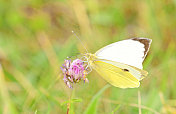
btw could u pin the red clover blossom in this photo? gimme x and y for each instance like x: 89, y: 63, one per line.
x: 74, y: 72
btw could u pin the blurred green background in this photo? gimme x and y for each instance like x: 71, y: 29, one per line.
x: 36, y: 37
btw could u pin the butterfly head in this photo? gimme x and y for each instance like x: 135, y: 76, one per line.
x: 90, y: 57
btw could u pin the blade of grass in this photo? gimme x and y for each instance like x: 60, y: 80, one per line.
x: 117, y: 107
x: 43, y: 93
x: 80, y: 12
x: 26, y: 84
x: 132, y: 105
x: 91, y: 109
x: 9, y: 107
x: 35, y: 112
x: 139, y: 102
x: 47, y: 47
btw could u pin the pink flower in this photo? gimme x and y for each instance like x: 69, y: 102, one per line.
x: 74, y: 72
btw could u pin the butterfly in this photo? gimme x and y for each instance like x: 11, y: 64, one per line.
x: 120, y: 63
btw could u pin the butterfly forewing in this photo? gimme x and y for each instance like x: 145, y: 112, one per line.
x: 131, y: 52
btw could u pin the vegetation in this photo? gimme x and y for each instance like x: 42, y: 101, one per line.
x: 36, y: 37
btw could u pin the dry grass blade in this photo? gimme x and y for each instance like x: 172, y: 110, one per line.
x: 48, y: 49
x: 8, y: 107
x: 80, y: 11
x: 139, y: 102
x: 132, y: 105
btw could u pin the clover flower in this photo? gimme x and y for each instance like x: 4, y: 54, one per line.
x: 74, y: 72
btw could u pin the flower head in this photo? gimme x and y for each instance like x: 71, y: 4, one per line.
x: 74, y: 72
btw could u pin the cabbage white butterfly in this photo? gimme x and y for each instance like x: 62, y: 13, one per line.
x: 120, y: 63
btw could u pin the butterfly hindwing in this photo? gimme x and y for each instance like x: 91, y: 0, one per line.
x: 117, y: 74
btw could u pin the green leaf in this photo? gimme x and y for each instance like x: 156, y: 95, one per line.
x: 76, y: 100
x: 91, y: 109
x: 71, y: 101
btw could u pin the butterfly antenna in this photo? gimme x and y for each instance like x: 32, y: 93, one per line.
x: 68, y: 57
x: 80, y: 41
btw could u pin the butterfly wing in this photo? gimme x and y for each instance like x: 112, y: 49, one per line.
x: 131, y: 52
x: 118, y: 74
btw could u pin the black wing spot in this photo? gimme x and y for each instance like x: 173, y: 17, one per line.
x: 126, y: 70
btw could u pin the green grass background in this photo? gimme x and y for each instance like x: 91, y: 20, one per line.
x: 36, y: 37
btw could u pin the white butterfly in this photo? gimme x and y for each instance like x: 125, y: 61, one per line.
x: 120, y: 63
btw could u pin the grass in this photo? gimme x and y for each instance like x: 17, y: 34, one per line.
x: 36, y: 37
